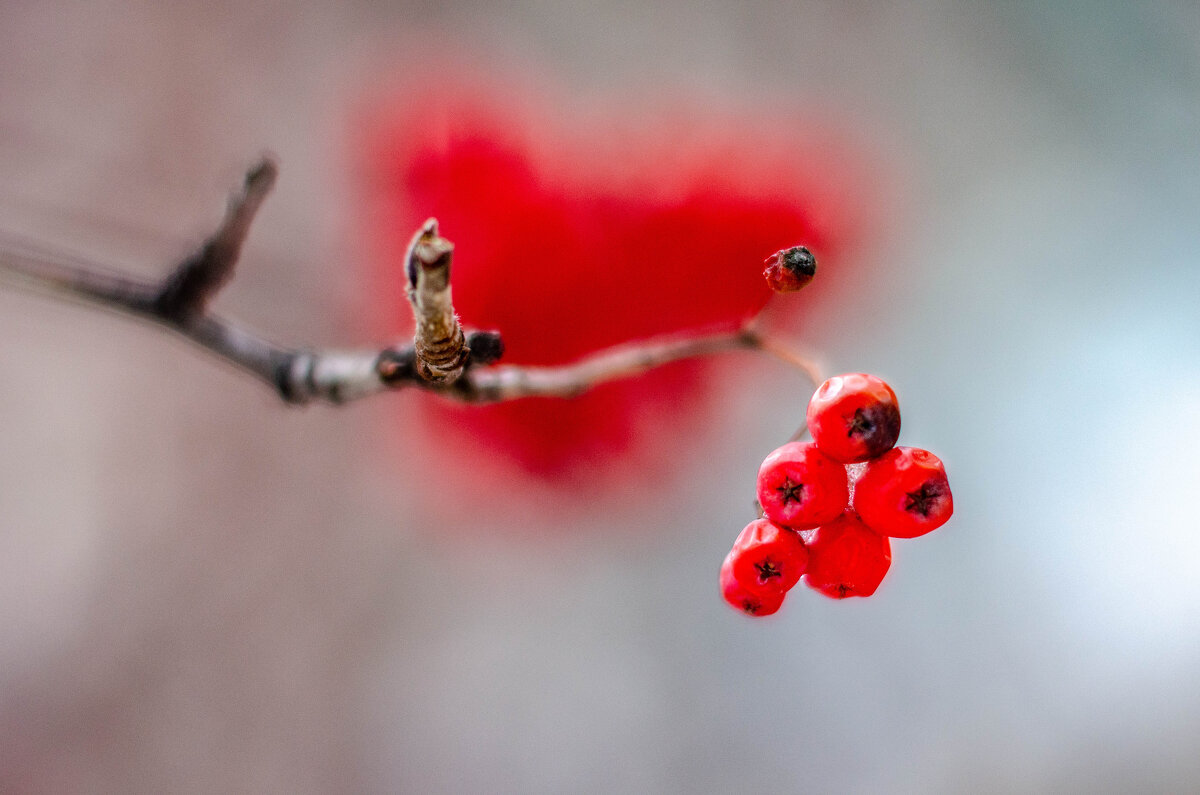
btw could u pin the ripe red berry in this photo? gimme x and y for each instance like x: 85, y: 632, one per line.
x: 768, y: 558
x: 741, y: 598
x: 790, y: 270
x: 904, y: 493
x: 847, y: 558
x: 800, y: 487
x: 854, y: 417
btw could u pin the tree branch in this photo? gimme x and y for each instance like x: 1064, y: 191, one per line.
x: 510, y: 382
x: 443, y: 358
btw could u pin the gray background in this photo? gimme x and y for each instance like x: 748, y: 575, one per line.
x: 203, y: 591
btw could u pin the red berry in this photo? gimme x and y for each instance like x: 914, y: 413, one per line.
x: 904, y: 493
x: 800, y: 487
x: 847, y: 558
x: 768, y: 558
x: 738, y: 596
x: 854, y: 417
x: 790, y: 270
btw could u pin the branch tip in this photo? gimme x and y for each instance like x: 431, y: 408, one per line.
x: 429, y: 249
x: 185, y: 293
x: 261, y: 177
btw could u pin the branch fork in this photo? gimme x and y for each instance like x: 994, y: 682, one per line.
x: 443, y: 357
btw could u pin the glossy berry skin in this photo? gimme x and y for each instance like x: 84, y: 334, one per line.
x: 800, y: 487
x: 904, y: 493
x: 768, y: 558
x: 847, y: 558
x: 854, y: 417
x: 741, y: 598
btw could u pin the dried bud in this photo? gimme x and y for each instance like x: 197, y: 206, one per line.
x: 486, y: 346
x: 790, y: 270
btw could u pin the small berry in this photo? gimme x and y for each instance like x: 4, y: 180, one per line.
x: 847, y: 558
x: 739, y: 597
x: 904, y: 493
x: 854, y: 417
x: 768, y: 558
x: 800, y: 487
x: 790, y: 270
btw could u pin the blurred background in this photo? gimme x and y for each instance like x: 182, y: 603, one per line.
x: 202, y: 590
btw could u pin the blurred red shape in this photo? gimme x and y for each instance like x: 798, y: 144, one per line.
x: 579, y: 226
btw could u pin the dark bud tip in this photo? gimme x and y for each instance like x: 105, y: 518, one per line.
x: 486, y: 346
x: 261, y: 177
x: 877, y: 428
x: 790, y: 270
x: 800, y: 261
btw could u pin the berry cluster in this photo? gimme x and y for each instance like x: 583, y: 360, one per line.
x: 830, y: 505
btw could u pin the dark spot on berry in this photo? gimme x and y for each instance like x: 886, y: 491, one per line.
x: 861, y: 425
x: 749, y: 606
x: 789, y: 491
x: 843, y: 590
x: 877, y: 427
x: 800, y: 261
x: 924, y: 499
x: 767, y: 570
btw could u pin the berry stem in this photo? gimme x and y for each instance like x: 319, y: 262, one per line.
x: 787, y: 356
x: 509, y: 382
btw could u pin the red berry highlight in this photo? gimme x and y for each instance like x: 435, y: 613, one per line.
x: 854, y: 417
x: 904, y: 493
x: 847, y: 558
x: 800, y: 487
x: 767, y: 558
x: 741, y: 598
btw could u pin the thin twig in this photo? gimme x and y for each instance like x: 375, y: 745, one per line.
x: 509, y: 382
x: 442, y: 358
x: 197, y: 279
x: 787, y: 356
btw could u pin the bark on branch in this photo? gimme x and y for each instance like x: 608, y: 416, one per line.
x: 443, y: 358
x: 187, y: 290
x: 439, y: 342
